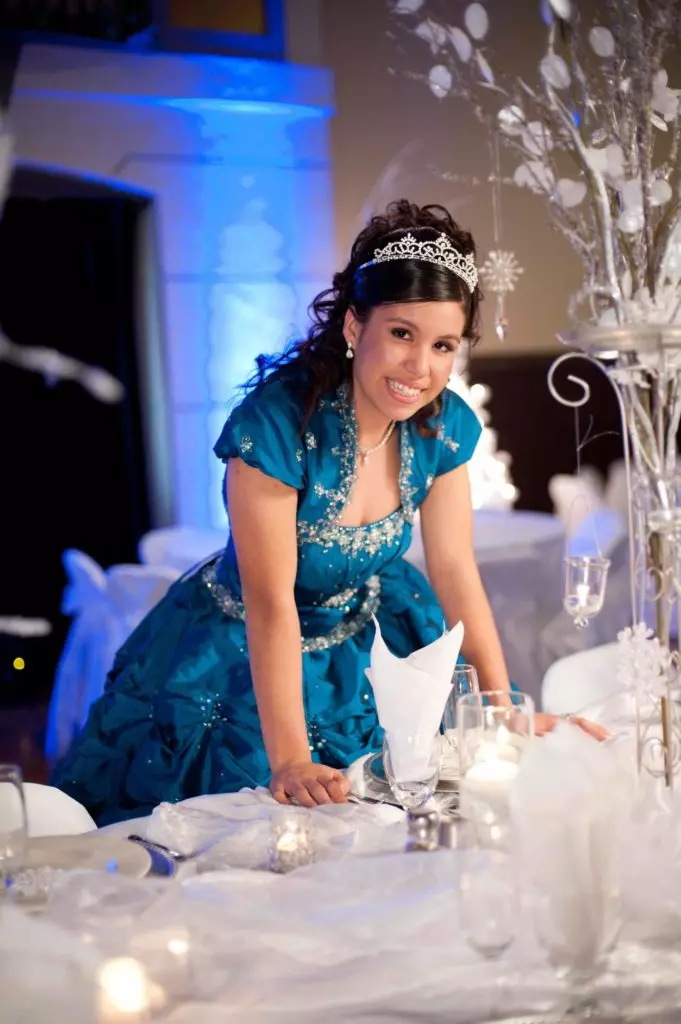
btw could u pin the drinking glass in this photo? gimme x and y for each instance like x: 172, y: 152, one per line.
x: 464, y: 681
x: 13, y: 826
x: 489, y: 894
x: 412, y: 767
x: 578, y: 928
x: 492, y: 731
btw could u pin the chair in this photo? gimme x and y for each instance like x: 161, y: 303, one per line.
x: 106, y: 607
x: 616, y: 490
x: 49, y: 812
x: 179, y: 547
x: 575, y: 497
x: 133, y: 591
x: 598, y: 533
x: 581, y: 680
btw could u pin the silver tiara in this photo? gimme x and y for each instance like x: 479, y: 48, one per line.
x: 439, y: 250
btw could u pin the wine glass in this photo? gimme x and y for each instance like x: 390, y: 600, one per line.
x: 489, y: 895
x: 578, y: 928
x: 411, y: 762
x: 464, y: 681
x: 13, y: 825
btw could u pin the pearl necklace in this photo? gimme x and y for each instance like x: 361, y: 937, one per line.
x: 364, y: 453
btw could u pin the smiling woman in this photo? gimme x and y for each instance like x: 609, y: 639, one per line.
x: 252, y: 670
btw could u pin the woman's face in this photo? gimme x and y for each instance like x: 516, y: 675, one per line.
x: 404, y: 353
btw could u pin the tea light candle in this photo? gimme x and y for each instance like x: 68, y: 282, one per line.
x: 487, y: 783
x: 582, y: 593
x: 292, y: 843
x: 125, y: 993
x: 502, y: 750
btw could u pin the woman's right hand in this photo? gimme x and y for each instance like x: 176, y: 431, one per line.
x: 309, y: 784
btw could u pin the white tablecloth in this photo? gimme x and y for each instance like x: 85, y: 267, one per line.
x: 370, y: 938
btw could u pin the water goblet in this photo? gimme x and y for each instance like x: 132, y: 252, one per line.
x: 13, y: 826
x: 411, y: 762
x: 489, y: 899
x: 464, y: 681
x: 578, y: 928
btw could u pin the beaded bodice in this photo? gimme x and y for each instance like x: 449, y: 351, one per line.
x: 339, y: 567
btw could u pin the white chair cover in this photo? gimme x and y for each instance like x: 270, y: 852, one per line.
x: 106, y: 607
x: 581, y: 680
x: 599, y: 533
x: 51, y: 812
x: 616, y: 491
x: 179, y: 547
x: 575, y: 497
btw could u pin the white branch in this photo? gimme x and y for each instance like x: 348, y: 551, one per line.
x: 57, y: 367
x: 17, y: 625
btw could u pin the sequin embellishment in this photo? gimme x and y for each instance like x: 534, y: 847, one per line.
x: 447, y: 441
x: 246, y: 444
x: 234, y: 608
x: 356, y: 540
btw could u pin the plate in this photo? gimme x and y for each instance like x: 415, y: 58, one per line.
x: 88, y: 852
x: 375, y: 775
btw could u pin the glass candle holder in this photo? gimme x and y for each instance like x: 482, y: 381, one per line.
x: 585, y: 581
x: 292, y: 839
x: 493, y: 729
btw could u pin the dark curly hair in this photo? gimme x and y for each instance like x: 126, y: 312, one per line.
x: 318, y: 361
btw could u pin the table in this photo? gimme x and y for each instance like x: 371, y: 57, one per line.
x: 520, y: 556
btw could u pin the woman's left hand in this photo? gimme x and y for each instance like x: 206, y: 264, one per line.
x: 545, y: 723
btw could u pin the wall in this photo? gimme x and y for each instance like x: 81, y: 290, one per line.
x: 235, y: 154
x: 392, y: 126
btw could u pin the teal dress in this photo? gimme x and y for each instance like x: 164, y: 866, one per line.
x: 178, y: 716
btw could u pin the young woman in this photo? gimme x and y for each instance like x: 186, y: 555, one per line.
x: 251, y: 671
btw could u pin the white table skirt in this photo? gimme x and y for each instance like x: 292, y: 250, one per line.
x: 373, y: 939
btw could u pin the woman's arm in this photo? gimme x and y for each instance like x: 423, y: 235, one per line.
x: 262, y: 514
x: 447, y: 529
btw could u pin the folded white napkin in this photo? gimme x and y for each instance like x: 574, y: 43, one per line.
x: 411, y: 694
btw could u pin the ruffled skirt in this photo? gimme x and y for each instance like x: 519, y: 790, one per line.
x: 178, y: 717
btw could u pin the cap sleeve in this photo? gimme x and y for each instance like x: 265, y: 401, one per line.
x: 264, y: 431
x: 458, y: 432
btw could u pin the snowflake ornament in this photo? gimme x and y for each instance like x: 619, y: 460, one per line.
x: 500, y: 272
x: 643, y: 663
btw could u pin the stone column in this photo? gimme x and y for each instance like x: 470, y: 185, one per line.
x: 235, y: 155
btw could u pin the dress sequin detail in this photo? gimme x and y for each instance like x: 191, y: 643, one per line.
x: 310, y: 440
x: 448, y: 442
x: 355, y: 540
x: 234, y: 608
x: 246, y: 444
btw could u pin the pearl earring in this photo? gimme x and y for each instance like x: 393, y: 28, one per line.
x: 349, y: 352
